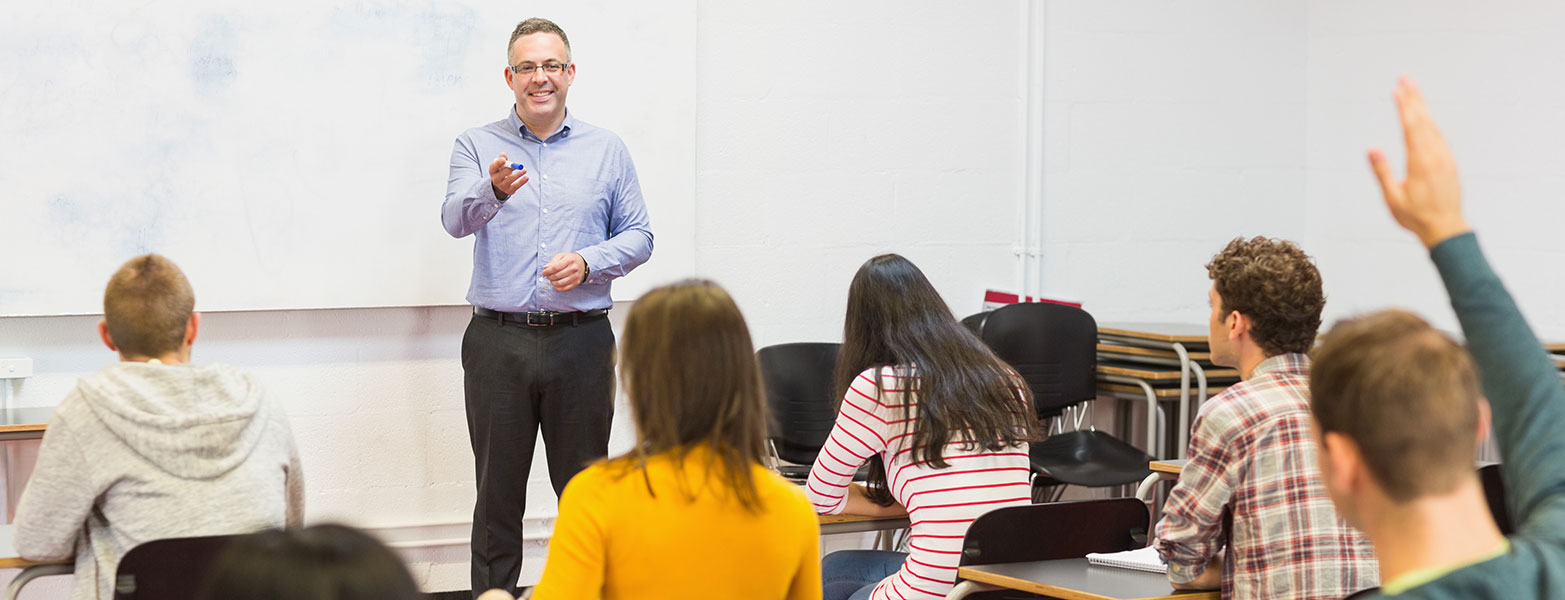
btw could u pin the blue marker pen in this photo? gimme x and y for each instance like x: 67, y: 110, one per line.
x: 515, y: 165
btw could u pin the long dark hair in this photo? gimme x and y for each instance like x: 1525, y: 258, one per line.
x: 896, y: 319
x: 690, y: 372
x: 321, y: 562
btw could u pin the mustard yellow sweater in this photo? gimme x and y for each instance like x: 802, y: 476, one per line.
x: 674, y: 533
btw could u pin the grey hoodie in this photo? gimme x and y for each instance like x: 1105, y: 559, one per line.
x: 141, y: 451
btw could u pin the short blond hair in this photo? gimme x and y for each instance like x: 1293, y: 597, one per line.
x: 1406, y: 394
x: 147, y: 305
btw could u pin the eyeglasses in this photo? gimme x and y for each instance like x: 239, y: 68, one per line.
x: 528, y: 69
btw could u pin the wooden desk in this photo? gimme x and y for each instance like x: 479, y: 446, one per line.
x: 1072, y: 579
x: 834, y: 524
x: 1112, y: 349
x: 24, y: 423
x: 1162, y: 470
x: 1155, y: 374
x: 1182, y: 333
x: 1180, y: 339
x: 9, y: 559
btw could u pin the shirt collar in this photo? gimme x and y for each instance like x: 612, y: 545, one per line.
x: 1290, y: 363
x: 520, y: 128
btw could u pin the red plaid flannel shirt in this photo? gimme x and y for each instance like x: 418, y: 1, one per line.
x: 1251, y: 451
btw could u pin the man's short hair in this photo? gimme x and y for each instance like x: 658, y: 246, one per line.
x: 147, y: 304
x: 1274, y: 284
x: 537, y: 25
x: 1406, y: 394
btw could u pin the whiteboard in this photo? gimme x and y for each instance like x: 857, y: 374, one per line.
x: 293, y: 154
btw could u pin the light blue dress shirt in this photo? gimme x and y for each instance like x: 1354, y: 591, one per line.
x: 581, y: 196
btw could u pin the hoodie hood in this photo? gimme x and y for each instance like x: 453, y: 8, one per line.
x: 194, y: 422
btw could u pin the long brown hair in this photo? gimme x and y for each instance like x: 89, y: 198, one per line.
x: 896, y: 319
x: 689, y: 369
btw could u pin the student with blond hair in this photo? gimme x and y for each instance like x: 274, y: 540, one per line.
x: 689, y: 512
x: 155, y: 447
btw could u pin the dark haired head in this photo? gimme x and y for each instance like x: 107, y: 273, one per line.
x: 896, y: 318
x: 323, y: 562
x: 537, y: 25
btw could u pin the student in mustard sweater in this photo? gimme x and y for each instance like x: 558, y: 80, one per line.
x: 689, y: 512
x: 1398, y: 411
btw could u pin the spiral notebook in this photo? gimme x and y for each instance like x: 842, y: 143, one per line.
x: 1140, y: 559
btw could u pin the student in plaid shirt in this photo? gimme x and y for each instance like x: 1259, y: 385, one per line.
x: 1251, y: 452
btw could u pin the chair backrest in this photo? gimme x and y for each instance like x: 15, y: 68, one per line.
x: 1053, y: 346
x: 1055, y: 530
x: 168, y: 569
x: 1494, y: 492
x: 802, y: 397
x: 975, y: 322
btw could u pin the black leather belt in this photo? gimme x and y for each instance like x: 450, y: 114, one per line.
x: 542, y: 318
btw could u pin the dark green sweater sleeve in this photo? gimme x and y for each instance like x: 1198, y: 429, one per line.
x: 1521, y: 383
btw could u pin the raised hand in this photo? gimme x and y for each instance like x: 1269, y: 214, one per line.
x: 1429, y: 202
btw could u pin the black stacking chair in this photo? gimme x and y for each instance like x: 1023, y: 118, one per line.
x: 1051, y: 531
x: 168, y: 569
x: 1055, y: 349
x: 1494, y: 492
x: 975, y: 323
x: 802, y: 398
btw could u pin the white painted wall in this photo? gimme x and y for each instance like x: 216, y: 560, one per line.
x: 828, y: 132
x: 831, y: 132
x: 1174, y: 127
x: 1491, y: 75
x: 1171, y: 128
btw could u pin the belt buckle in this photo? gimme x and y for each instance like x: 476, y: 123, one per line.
x: 540, y: 318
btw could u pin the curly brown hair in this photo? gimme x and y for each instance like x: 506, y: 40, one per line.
x: 1274, y: 284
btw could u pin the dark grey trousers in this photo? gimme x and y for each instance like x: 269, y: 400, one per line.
x: 520, y: 380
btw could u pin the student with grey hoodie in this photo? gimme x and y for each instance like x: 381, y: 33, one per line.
x: 155, y: 447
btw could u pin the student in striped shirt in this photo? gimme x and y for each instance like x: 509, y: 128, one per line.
x: 942, y: 420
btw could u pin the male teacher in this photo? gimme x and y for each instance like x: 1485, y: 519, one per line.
x: 558, y: 215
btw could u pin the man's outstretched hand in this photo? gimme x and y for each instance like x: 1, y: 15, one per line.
x: 1429, y: 202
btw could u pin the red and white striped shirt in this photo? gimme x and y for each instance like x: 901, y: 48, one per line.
x: 941, y: 503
